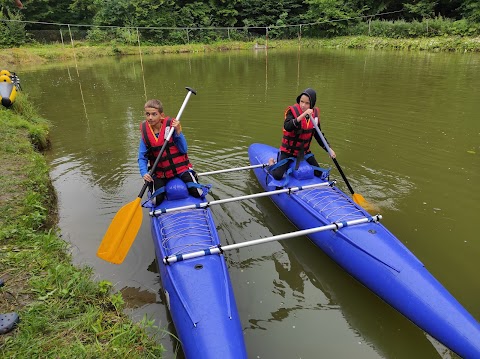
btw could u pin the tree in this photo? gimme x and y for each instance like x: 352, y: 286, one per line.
x: 470, y: 9
x: 47, y: 11
x: 334, y: 15
x: 422, y: 9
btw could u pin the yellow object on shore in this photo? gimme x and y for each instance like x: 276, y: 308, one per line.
x: 8, y: 89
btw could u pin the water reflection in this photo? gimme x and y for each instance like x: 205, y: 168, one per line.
x: 301, y: 264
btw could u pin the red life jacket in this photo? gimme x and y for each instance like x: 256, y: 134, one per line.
x: 172, y: 162
x: 294, y: 141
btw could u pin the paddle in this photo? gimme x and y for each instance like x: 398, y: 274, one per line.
x: 357, y: 198
x: 125, y: 225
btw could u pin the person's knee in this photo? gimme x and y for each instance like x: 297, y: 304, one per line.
x: 191, y: 177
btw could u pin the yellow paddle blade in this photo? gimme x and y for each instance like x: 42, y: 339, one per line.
x: 121, y: 233
x: 358, y: 199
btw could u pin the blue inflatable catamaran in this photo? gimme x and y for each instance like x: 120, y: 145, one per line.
x: 195, y: 278
x: 370, y: 253
x: 197, y: 285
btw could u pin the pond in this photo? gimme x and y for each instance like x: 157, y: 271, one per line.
x: 405, y: 128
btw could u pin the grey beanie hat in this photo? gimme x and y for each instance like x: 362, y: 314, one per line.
x: 311, y: 94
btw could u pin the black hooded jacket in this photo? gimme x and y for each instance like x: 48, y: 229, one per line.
x: 290, y: 125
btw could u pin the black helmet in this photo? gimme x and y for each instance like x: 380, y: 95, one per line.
x: 312, y: 95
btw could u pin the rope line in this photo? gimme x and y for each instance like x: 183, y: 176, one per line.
x: 141, y: 63
x: 203, y: 28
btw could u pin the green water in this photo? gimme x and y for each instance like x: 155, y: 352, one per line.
x: 405, y: 127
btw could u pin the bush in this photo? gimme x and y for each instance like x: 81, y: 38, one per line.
x: 426, y: 28
x: 12, y: 33
x: 465, y: 27
x: 121, y: 35
x: 97, y: 36
x: 126, y: 35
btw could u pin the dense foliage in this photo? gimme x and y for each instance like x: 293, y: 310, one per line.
x: 210, y: 20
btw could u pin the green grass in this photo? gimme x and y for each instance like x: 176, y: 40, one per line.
x: 64, y: 312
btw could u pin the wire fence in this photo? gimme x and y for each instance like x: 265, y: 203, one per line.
x: 50, y: 32
x: 368, y: 25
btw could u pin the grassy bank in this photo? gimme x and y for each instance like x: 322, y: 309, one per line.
x: 433, y: 44
x: 37, y: 54
x: 63, y: 312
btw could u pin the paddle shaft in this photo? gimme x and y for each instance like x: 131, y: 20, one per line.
x: 334, y: 159
x: 250, y: 196
x: 170, y: 133
x: 215, y: 250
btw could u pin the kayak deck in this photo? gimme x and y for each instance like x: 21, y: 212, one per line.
x: 177, y: 225
x: 329, y: 204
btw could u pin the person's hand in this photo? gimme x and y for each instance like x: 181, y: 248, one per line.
x: 147, y: 177
x: 307, y: 113
x: 332, y: 153
x: 176, y: 124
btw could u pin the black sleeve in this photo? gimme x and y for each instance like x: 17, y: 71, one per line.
x: 290, y: 123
